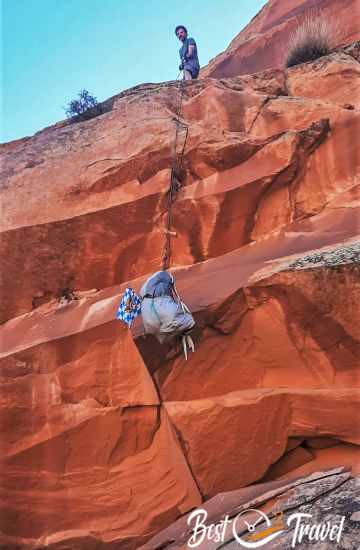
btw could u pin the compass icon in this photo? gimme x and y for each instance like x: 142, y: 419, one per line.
x: 261, y: 517
x: 251, y: 526
x: 256, y: 538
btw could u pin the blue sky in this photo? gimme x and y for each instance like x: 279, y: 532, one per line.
x: 51, y: 49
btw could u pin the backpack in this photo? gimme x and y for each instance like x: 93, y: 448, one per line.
x: 163, y: 312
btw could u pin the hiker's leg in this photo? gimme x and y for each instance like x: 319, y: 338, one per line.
x: 187, y: 75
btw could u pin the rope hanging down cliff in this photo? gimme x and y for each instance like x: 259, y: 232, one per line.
x: 163, y: 312
x: 175, y: 177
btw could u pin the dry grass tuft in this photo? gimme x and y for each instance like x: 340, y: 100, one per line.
x: 314, y: 37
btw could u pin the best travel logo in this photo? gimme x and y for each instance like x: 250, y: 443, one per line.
x: 252, y: 528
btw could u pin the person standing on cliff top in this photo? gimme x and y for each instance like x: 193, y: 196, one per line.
x: 188, y: 54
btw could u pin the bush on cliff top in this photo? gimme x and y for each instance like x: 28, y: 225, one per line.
x: 84, y: 107
x: 313, y: 38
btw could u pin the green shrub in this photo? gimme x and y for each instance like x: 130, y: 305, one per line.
x: 84, y: 107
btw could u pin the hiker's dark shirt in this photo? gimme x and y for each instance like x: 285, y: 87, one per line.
x: 190, y: 63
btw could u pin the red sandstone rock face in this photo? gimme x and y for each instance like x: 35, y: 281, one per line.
x: 106, y: 440
x: 106, y: 474
x: 264, y: 41
x: 247, y: 161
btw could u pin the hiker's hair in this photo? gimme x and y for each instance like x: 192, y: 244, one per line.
x: 180, y: 27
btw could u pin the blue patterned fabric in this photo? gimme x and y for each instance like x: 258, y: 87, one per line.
x: 129, y: 307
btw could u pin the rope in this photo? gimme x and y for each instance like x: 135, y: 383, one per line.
x: 175, y: 176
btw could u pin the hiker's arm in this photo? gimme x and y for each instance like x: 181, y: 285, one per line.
x: 190, y: 51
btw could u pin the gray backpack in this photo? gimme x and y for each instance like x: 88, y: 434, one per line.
x: 163, y: 312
